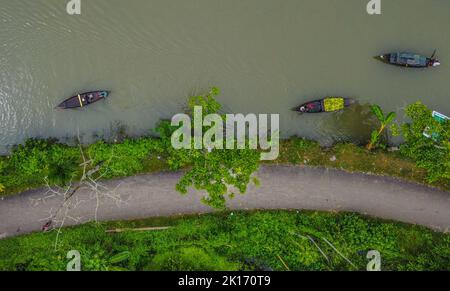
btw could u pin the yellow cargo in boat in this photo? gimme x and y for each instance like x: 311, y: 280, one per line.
x: 333, y: 104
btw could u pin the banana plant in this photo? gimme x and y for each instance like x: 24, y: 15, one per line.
x: 384, y: 122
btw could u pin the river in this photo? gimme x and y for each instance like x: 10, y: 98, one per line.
x: 267, y: 56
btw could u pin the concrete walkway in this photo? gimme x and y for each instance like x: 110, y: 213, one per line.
x: 282, y: 187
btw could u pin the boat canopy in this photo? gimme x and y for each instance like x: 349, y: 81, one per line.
x: 409, y: 59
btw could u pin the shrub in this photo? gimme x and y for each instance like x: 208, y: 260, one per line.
x: 432, y: 154
x: 191, y: 259
x: 123, y: 159
x: 31, y: 163
x: 63, y: 164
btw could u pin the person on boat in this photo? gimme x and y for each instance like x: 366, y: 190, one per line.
x: 90, y: 98
x: 314, y: 107
x: 436, y: 63
x: 433, y: 63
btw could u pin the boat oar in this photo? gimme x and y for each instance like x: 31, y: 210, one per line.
x: 79, y: 99
x: 434, y: 54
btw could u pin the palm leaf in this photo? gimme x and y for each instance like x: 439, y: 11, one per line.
x: 391, y: 116
x: 378, y: 112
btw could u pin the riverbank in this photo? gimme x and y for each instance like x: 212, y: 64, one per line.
x: 353, y: 158
x: 31, y: 164
x: 267, y: 240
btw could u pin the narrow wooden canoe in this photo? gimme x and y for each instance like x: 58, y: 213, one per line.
x: 83, y: 99
x: 328, y: 104
x: 408, y: 60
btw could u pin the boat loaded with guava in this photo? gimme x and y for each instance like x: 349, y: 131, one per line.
x: 328, y: 104
x: 83, y: 99
x: 409, y: 60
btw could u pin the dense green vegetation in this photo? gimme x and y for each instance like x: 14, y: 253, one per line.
x: 31, y: 164
x: 215, y: 171
x: 431, y: 154
x: 128, y: 157
x: 276, y: 240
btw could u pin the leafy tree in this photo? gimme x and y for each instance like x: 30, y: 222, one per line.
x: 384, y: 122
x: 432, y: 154
x: 216, y: 171
x: 207, y: 102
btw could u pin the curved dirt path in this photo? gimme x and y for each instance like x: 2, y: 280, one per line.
x: 282, y: 187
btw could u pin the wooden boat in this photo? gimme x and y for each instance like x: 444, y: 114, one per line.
x: 328, y: 104
x: 409, y: 60
x: 83, y: 99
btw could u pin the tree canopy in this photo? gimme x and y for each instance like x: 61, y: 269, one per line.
x: 220, y: 172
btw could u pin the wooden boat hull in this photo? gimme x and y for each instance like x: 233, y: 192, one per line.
x: 408, y: 60
x: 83, y: 99
x: 329, y: 104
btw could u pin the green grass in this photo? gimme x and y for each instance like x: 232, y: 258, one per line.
x: 234, y: 241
